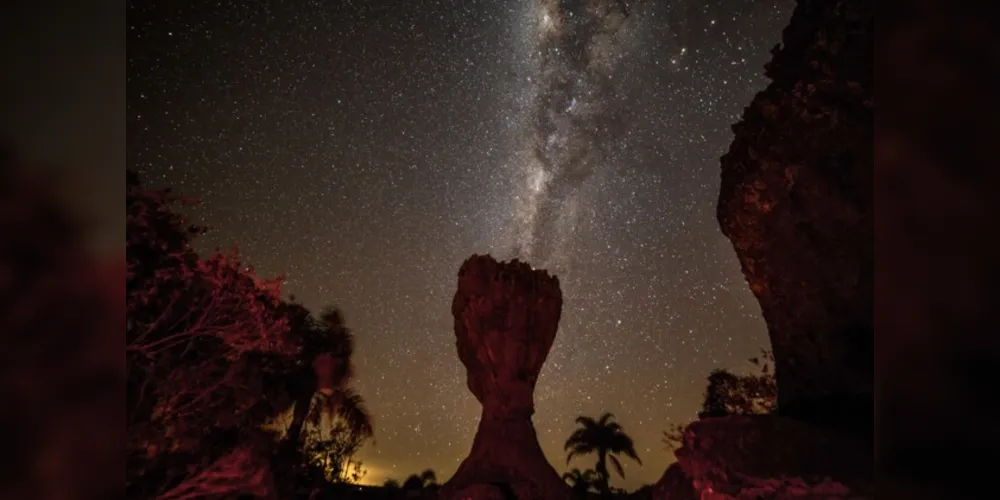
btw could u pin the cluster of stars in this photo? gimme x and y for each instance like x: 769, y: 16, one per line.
x: 364, y: 150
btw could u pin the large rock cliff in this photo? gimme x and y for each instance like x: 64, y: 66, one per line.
x: 796, y: 202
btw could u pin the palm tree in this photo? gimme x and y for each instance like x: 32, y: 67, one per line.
x: 581, y: 482
x: 606, y: 438
x: 320, y: 384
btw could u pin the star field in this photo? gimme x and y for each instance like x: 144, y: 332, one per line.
x: 365, y: 149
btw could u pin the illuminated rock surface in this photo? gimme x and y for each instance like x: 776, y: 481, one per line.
x: 506, y: 316
x: 768, y: 456
x: 796, y: 202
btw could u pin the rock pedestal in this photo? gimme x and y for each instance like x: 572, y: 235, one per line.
x: 506, y: 316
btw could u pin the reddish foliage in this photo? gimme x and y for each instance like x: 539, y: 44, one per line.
x: 212, y: 352
x: 201, y: 336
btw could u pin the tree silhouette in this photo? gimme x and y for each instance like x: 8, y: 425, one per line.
x: 213, y: 353
x: 730, y: 394
x: 606, y: 438
x: 316, y: 390
x: 426, y: 479
x: 334, y: 454
x: 721, y: 394
x: 673, y: 436
x: 319, y: 383
x: 198, y: 332
x: 580, y: 482
x: 752, y: 394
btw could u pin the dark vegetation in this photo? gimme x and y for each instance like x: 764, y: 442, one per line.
x: 233, y: 390
x: 414, y: 485
x: 752, y: 394
x: 728, y: 394
x: 605, y: 438
x: 214, y: 358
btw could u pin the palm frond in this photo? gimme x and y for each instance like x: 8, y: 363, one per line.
x: 623, y: 444
x: 586, y: 422
x: 632, y: 454
x: 618, y: 466
x: 578, y: 436
x: 581, y: 449
x: 350, y: 407
x: 608, y: 416
x: 319, y: 405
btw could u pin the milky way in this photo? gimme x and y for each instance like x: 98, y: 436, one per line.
x: 364, y: 149
x: 571, y: 121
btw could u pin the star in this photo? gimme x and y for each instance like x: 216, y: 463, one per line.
x: 364, y: 150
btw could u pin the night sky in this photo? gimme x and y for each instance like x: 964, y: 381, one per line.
x: 365, y: 149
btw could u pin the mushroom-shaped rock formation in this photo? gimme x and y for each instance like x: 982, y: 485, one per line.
x: 506, y: 316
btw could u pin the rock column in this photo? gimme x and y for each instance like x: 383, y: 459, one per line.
x: 506, y: 316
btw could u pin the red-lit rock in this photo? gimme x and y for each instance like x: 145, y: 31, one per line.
x: 796, y: 201
x: 506, y: 316
x: 674, y: 485
x: 768, y: 456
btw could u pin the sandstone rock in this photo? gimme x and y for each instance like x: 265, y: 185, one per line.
x: 772, y: 457
x: 674, y: 485
x: 796, y: 202
x: 506, y: 316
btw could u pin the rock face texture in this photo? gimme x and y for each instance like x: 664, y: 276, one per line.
x: 768, y: 456
x: 796, y: 202
x: 506, y: 316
